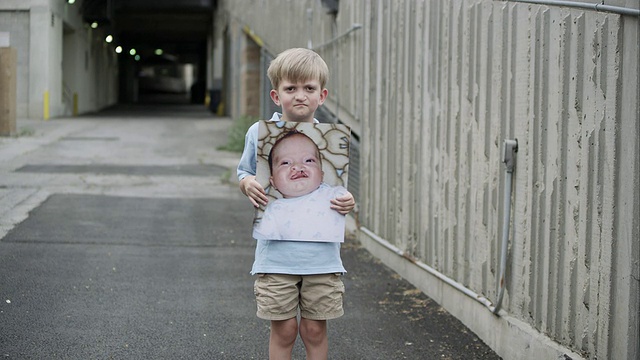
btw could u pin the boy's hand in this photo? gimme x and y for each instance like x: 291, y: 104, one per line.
x: 343, y: 204
x: 253, y: 190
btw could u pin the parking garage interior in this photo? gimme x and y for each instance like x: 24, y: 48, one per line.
x: 164, y: 45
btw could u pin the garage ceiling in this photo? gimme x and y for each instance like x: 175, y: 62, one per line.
x: 178, y: 27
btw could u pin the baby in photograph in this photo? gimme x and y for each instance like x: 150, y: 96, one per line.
x: 304, y: 212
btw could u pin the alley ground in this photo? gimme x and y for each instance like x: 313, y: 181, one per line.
x: 121, y: 237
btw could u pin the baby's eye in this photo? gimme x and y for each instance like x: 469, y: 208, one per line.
x: 311, y: 160
x: 285, y: 162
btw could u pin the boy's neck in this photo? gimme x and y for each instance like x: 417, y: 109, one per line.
x: 284, y: 117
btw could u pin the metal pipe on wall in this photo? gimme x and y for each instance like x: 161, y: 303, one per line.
x: 509, y: 148
x: 597, y: 7
x: 458, y: 286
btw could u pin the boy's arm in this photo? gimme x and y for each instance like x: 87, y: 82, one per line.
x: 247, y: 169
x: 253, y: 190
x: 343, y: 204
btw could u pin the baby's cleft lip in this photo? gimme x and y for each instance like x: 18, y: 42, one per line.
x: 299, y: 175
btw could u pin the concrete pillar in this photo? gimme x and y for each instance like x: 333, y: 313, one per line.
x: 250, y: 80
x: 8, y: 103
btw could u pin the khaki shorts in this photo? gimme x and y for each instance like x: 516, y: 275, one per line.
x: 319, y: 297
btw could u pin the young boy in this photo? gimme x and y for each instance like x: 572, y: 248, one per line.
x: 295, y: 275
x: 304, y: 212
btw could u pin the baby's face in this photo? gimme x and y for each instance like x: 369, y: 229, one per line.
x: 297, y: 170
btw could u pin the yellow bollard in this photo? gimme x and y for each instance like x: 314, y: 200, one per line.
x: 45, y: 105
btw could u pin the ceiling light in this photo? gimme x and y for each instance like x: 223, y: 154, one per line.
x: 132, y: 52
x: 109, y: 38
x: 158, y: 52
x: 119, y: 49
x: 94, y: 24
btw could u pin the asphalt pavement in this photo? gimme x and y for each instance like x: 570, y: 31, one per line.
x: 123, y: 235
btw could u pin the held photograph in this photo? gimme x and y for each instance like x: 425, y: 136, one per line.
x: 301, y: 166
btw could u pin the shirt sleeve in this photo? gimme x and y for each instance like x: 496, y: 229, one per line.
x: 247, y: 164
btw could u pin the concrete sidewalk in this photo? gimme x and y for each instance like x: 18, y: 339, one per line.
x: 121, y: 237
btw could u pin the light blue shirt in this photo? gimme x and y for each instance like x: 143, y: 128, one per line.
x: 280, y: 256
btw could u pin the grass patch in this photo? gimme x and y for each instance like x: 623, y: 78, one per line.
x: 225, y: 178
x: 235, y: 137
x: 25, y: 131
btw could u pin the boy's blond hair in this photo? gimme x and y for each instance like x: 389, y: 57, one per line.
x: 298, y: 65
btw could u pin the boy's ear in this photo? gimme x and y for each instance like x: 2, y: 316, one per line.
x: 323, y: 96
x: 275, y: 97
x: 273, y: 185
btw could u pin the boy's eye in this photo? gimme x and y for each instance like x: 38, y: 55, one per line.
x: 285, y: 162
x: 311, y: 160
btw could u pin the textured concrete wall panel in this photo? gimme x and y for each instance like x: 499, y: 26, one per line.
x: 432, y: 88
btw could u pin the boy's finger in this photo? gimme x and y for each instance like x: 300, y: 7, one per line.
x: 342, y: 202
x: 342, y: 211
x: 339, y: 207
x: 260, y: 197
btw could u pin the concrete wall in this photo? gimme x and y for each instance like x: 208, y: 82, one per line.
x: 243, y: 75
x: 8, y: 60
x: 251, y: 80
x: 433, y: 88
x: 63, y: 64
x: 16, y: 23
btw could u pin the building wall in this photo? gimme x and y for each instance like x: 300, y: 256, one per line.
x: 250, y: 80
x: 16, y: 23
x: 60, y: 58
x: 432, y: 89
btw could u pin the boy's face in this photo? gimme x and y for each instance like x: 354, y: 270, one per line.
x: 300, y: 100
x: 297, y: 170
